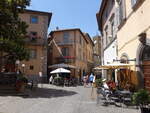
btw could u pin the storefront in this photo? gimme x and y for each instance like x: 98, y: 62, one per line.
x: 120, y: 73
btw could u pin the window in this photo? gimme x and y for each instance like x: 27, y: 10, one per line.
x: 106, y: 34
x: 66, y: 37
x: 34, y: 19
x: 80, y: 40
x: 112, y: 27
x: 65, y: 51
x: 133, y: 2
x: 79, y: 53
x: 33, y: 54
x: 121, y: 11
x: 106, y: 14
x: 33, y: 35
x: 31, y: 67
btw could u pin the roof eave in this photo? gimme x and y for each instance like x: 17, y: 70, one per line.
x: 99, y: 15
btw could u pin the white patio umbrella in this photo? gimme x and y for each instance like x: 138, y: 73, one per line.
x: 62, y: 65
x: 60, y: 70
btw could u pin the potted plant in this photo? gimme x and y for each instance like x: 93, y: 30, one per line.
x: 142, y: 99
x: 21, y: 83
x: 98, y: 83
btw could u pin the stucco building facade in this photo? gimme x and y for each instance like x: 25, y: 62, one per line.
x: 36, y: 41
x: 106, y: 18
x: 97, y: 50
x: 133, y: 42
x: 133, y: 39
x: 73, y: 47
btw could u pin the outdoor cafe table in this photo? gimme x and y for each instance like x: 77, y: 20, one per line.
x: 125, y: 96
x: 124, y: 92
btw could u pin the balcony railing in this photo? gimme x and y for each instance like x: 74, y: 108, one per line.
x: 65, y: 59
x: 65, y: 43
x: 34, y: 41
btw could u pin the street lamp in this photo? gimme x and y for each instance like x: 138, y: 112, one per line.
x: 23, y: 66
x: 17, y: 64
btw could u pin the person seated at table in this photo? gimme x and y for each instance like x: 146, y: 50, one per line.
x: 105, y: 85
x: 111, y: 85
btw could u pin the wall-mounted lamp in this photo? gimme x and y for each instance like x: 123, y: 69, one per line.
x: 134, y: 59
x: 142, y: 38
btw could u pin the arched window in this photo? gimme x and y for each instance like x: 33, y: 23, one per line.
x: 124, y: 58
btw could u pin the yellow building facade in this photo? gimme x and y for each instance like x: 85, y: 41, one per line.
x: 132, y: 28
x: 133, y: 38
x: 36, y: 41
x: 71, y: 46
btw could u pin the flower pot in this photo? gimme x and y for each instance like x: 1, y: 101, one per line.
x: 20, y: 86
x: 145, y: 110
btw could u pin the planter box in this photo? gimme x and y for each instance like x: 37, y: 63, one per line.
x: 145, y: 110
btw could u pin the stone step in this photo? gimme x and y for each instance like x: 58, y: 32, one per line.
x: 7, y: 88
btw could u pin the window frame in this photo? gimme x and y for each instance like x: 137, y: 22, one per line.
x: 106, y: 35
x: 34, y: 16
x: 66, y: 36
x: 31, y: 54
x: 122, y: 11
x: 65, y: 51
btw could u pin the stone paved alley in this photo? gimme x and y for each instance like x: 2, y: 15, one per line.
x: 52, y: 99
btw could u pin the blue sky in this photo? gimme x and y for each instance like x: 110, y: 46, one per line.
x: 70, y: 13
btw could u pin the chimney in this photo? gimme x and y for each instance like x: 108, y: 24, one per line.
x: 57, y: 28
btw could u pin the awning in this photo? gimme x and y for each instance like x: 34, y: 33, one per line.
x: 62, y: 65
x: 60, y: 70
x: 99, y: 68
x: 114, y: 66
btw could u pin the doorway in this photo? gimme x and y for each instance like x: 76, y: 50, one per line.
x: 145, y: 67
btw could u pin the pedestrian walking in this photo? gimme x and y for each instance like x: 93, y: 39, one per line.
x: 93, y: 84
x: 85, y: 78
x: 91, y: 79
x: 51, y: 79
x: 40, y: 76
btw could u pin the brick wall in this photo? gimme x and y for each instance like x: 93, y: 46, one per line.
x: 146, y: 70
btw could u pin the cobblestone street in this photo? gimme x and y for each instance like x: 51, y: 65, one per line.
x: 52, y: 99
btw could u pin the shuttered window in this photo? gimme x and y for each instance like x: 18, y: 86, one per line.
x: 133, y: 2
x: 33, y: 54
x: 66, y: 36
x: 65, y: 51
x: 122, y: 11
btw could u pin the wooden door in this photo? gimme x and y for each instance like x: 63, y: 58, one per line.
x: 146, y: 72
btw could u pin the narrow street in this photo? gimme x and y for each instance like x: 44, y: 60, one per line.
x: 52, y: 99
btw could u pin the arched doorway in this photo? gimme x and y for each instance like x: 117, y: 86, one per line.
x: 124, y: 76
x: 145, y: 65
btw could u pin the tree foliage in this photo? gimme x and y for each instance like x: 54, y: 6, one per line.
x: 13, y: 29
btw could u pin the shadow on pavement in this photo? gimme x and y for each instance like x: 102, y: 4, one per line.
x: 42, y: 93
x: 50, y: 93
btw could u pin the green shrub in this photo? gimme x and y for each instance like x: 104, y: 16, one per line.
x: 98, y: 82
x: 141, y: 98
x: 22, y: 78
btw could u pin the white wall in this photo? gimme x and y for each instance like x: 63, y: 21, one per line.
x: 110, y: 53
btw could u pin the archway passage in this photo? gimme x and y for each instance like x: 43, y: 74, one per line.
x: 146, y: 66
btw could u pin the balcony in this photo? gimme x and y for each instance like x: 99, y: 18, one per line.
x: 65, y: 59
x: 71, y: 42
x: 37, y: 41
